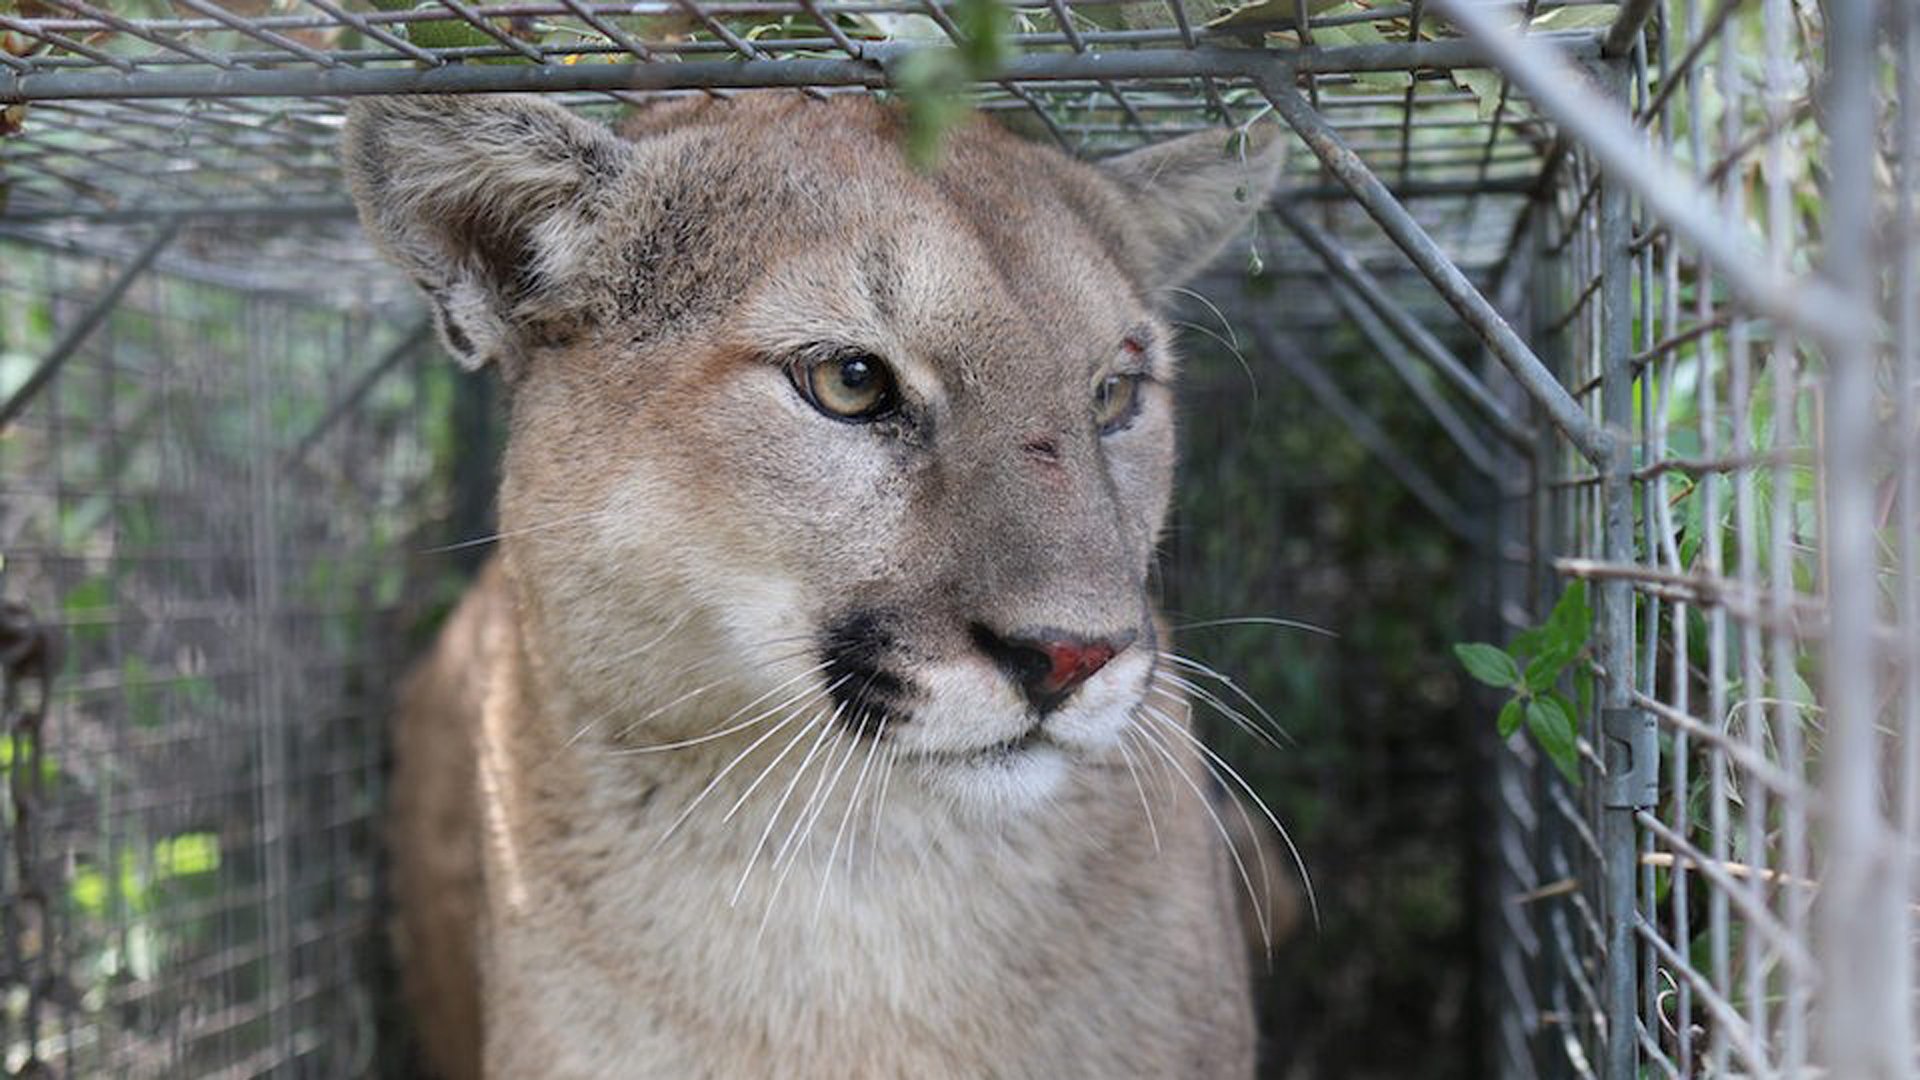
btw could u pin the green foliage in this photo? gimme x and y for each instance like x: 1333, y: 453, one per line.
x: 1531, y: 667
x: 49, y: 772
x: 933, y: 82
x: 445, y: 33
x: 139, y: 884
x: 1488, y: 663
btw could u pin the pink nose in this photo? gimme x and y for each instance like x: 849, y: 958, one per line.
x: 1070, y: 663
x: 1049, y: 666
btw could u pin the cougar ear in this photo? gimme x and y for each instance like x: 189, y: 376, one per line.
x: 486, y: 202
x: 1193, y: 194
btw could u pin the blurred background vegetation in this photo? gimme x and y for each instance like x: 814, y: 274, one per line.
x: 1281, y: 513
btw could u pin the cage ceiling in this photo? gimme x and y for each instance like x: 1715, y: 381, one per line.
x: 233, y: 107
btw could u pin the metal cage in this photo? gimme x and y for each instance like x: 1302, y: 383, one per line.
x: 1678, y: 234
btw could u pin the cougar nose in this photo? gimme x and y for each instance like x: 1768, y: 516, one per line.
x: 1049, y: 666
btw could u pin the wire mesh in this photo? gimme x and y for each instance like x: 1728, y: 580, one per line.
x: 219, y: 555
x: 1681, y: 230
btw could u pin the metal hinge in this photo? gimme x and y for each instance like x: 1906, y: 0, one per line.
x: 1633, y: 773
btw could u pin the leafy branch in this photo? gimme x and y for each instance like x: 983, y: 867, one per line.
x: 1530, y: 668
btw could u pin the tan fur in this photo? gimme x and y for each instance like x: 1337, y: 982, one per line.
x: 684, y: 537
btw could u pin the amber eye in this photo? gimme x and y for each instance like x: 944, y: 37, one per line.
x: 854, y: 387
x: 1115, y: 402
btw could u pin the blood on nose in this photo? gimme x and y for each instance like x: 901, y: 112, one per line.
x: 1048, y: 667
x: 1070, y: 663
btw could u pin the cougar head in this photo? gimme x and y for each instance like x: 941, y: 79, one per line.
x: 808, y: 444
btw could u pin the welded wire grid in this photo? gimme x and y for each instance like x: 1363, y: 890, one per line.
x: 1752, y: 557
x: 1681, y: 230
x: 208, y: 508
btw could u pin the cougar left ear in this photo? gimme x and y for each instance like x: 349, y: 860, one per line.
x: 1193, y: 194
x: 485, y: 202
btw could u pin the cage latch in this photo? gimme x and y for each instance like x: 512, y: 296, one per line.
x: 1633, y: 771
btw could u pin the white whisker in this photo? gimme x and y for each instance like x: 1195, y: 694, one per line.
x: 725, y: 731
x: 1232, y: 348
x: 1239, y: 864
x: 886, y: 781
x: 1259, y: 850
x: 1196, y: 666
x: 717, y: 777
x: 1259, y: 620
x: 826, y: 728
x: 1225, y: 324
x: 1299, y: 863
x: 771, y: 765
x: 839, y: 834
x: 1176, y: 688
x: 462, y: 545
x: 735, y: 674
x: 1126, y: 755
x: 802, y: 831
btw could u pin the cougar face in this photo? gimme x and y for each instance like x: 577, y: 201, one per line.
x: 807, y: 446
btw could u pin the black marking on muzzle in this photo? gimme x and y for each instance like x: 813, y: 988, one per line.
x: 867, y: 696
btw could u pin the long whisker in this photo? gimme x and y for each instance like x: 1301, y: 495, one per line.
x: 817, y: 799
x: 733, y: 674
x: 1196, y: 666
x: 802, y: 832
x: 775, y: 689
x: 826, y: 728
x: 1232, y: 773
x: 1234, y: 349
x: 1239, y: 864
x: 1259, y: 850
x: 1260, y: 620
x: 839, y: 834
x: 1126, y: 755
x: 1225, y: 323
x: 461, y: 545
x: 879, y: 803
x: 717, y: 777
x: 771, y: 765
x: 616, y: 661
x: 1173, y: 686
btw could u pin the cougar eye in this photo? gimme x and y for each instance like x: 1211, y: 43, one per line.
x: 854, y: 387
x: 1115, y: 402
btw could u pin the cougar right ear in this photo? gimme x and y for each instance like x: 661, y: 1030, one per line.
x: 484, y: 201
x: 1193, y: 194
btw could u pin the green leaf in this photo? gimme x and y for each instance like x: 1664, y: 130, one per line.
x: 1553, y: 729
x: 1510, y: 716
x: 1489, y: 664
x: 1484, y: 86
x: 985, y: 44
x: 1544, y: 669
x: 1584, y: 17
x: 88, y: 596
x: 187, y: 853
x: 1571, y: 622
x: 1269, y: 14
x: 1527, y: 642
x: 1560, y: 699
x: 933, y: 83
x: 88, y: 888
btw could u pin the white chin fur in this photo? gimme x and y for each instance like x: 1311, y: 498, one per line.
x: 971, y: 706
x: 996, y: 784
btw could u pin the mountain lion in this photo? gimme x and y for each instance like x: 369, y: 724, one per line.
x: 813, y: 719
